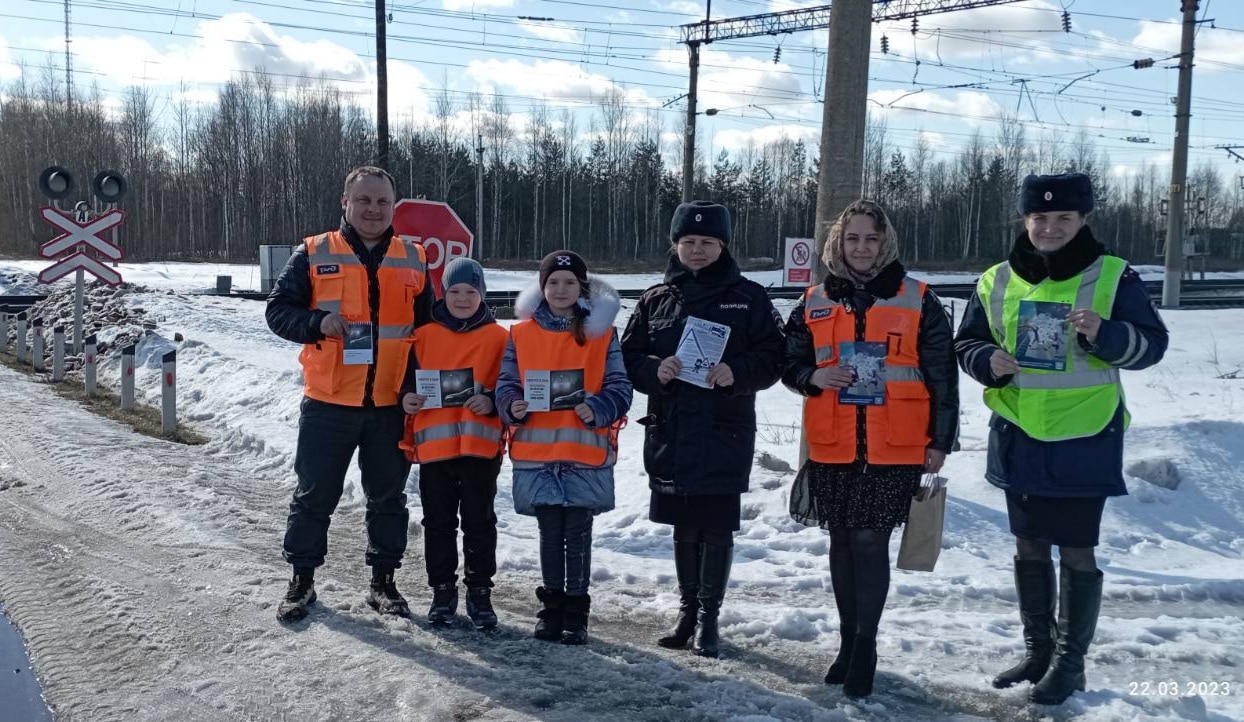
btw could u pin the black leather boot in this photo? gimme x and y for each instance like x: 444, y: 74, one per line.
x: 687, y: 564
x: 715, y: 561
x: 1034, y: 585
x: 549, y: 620
x: 863, y: 667
x: 578, y: 607
x: 837, y: 673
x: 1079, y: 602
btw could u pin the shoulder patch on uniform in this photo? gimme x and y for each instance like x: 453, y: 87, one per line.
x: 819, y: 313
x: 324, y: 269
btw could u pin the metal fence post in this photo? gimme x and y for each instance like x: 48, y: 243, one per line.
x: 4, y: 332
x: 168, y: 392
x: 127, y: 378
x: 89, y: 365
x: 36, y: 346
x: 21, y: 337
x: 58, y: 353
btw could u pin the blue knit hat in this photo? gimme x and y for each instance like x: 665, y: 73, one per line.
x: 464, y: 270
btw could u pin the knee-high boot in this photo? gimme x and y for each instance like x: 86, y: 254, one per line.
x: 1079, y: 603
x: 715, y: 560
x: 1035, y: 586
x: 687, y: 565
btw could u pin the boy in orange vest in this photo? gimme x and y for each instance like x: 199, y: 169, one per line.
x: 454, y: 433
x: 565, y: 355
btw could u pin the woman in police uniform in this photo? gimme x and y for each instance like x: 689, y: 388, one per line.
x: 865, y: 461
x: 1056, y: 435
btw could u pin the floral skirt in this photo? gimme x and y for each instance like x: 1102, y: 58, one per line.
x: 849, y: 496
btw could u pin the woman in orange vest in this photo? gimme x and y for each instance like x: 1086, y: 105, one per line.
x: 871, y: 350
x: 564, y: 389
x: 454, y: 433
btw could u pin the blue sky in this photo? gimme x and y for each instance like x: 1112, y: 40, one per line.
x: 949, y: 79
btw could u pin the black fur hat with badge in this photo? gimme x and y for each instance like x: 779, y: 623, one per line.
x: 1053, y: 193
x: 700, y: 218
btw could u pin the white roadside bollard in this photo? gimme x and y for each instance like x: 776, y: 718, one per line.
x: 168, y: 393
x: 89, y: 365
x: 127, y: 378
x: 36, y: 346
x: 21, y: 337
x: 58, y: 353
x: 4, y: 332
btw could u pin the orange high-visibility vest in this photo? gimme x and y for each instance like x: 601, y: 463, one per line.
x: 439, y: 434
x: 339, y: 285
x: 898, y: 431
x: 552, y: 436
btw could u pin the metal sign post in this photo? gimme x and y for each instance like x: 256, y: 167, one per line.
x: 4, y: 333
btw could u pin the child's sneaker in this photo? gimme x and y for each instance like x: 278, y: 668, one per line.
x: 479, y: 607
x: 444, y: 604
x: 299, y: 596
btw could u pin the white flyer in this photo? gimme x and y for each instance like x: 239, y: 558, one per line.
x: 536, y: 390
x: 445, y: 388
x: 428, y: 384
x: 357, y: 349
x: 700, y: 349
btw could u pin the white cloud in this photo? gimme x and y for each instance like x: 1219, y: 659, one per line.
x: 735, y: 140
x: 8, y: 69
x: 1219, y: 46
x: 547, y: 31
x: 475, y: 4
x: 972, y: 106
x: 963, y: 33
x: 728, y: 82
x: 552, y: 79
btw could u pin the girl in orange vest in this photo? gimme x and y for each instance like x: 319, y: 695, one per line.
x: 458, y: 443
x: 865, y: 461
x: 565, y: 353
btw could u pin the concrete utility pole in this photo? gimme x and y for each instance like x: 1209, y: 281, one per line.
x: 688, y: 147
x: 846, y: 101
x: 382, y: 89
x: 1179, y: 162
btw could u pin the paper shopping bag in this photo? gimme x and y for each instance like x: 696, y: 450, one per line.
x: 922, y: 535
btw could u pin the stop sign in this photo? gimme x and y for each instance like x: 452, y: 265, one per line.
x: 435, y: 225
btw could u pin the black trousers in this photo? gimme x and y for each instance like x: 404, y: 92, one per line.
x: 328, y: 435
x: 465, y: 488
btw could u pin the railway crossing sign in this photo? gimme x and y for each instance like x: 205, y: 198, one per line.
x: 79, y: 262
x: 81, y: 232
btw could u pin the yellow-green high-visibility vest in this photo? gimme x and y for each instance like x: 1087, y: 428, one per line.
x: 1055, y: 405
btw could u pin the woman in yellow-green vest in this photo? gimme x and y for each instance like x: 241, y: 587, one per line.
x: 1047, y: 333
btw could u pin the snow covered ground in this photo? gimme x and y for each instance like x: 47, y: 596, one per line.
x: 143, y: 573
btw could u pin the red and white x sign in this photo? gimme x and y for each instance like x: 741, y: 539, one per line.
x: 75, y: 234
x: 73, y: 262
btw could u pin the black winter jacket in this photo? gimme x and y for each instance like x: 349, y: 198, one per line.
x: 934, y: 348
x: 1134, y: 337
x: 289, y: 313
x: 701, y: 441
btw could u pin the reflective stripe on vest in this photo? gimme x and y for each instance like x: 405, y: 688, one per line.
x: 339, y: 284
x: 438, y: 434
x: 1055, y: 405
x: 897, y: 432
x: 560, y: 436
